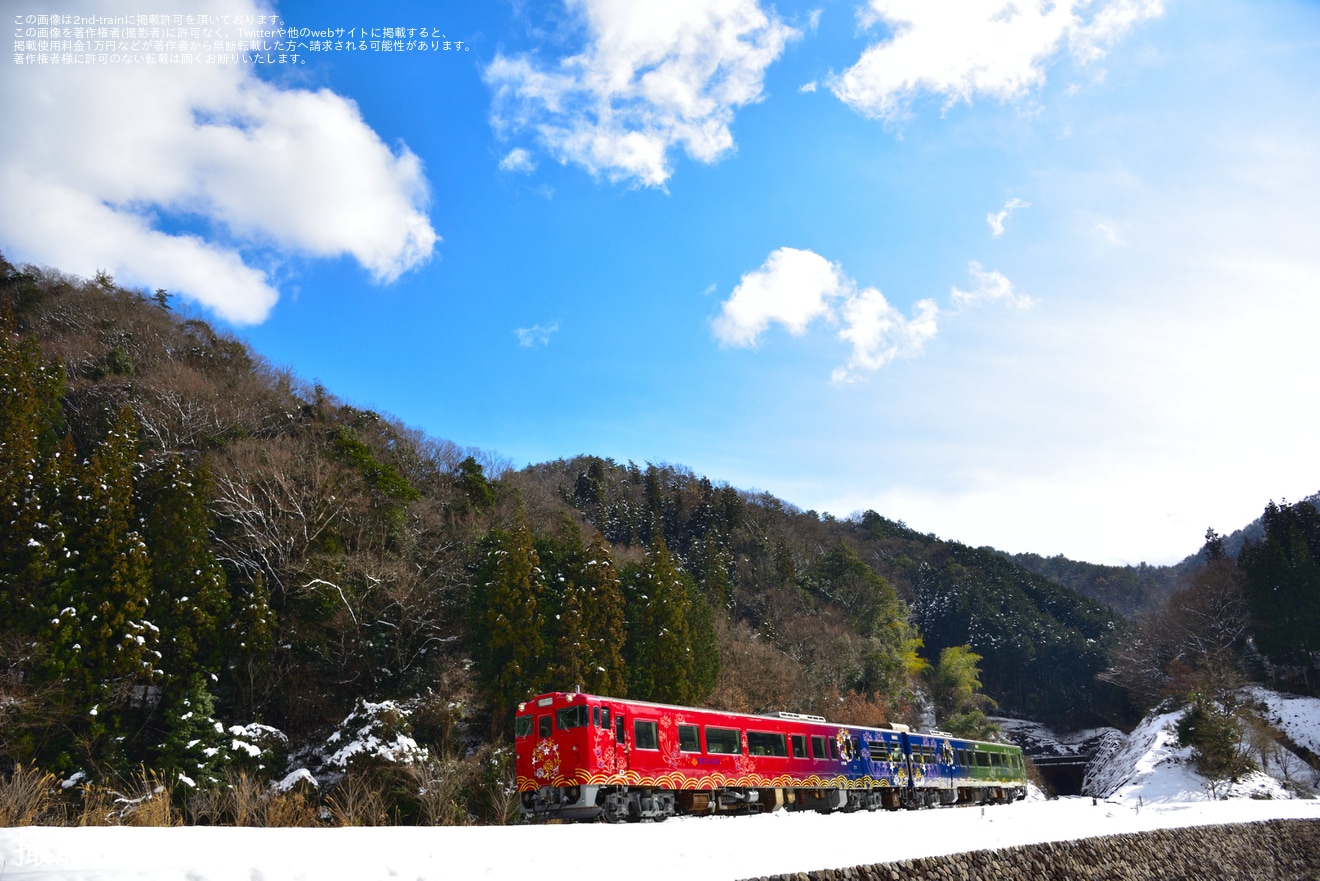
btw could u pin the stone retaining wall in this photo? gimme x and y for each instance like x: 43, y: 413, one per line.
x: 1276, y: 850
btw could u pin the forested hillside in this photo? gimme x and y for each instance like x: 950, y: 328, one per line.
x: 1134, y: 590
x: 198, y: 544
x: 831, y: 594
x: 1128, y: 590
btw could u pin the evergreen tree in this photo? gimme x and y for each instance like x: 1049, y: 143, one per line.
x: 196, y: 745
x: 1283, y: 583
x: 31, y: 535
x: 705, y: 671
x: 506, y: 622
x: 570, y: 644
x: 562, y: 606
x: 32, y: 540
x: 189, y: 598
x: 603, y: 622
x: 1214, y: 732
x: 98, y: 642
x: 712, y: 566
x: 890, y: 656
x: 105, y: 638
x: 583, y: 609
x: 476, y: 488
x: 871, y: 602
x: 250, y: 644
x: 660, y: 652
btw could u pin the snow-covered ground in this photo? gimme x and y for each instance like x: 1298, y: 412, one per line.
x: 1148, y: 766
x: 1297, y: 717
x: 697, y: 848
x: 1146, y: 783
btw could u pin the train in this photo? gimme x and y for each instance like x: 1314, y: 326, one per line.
x: 584, y: 757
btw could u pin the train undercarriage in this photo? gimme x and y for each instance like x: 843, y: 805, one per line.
x: 619, y: 804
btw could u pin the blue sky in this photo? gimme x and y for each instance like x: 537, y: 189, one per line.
x: 1037, y: 277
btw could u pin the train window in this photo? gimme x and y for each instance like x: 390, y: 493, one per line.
x: 723, y: 741
x: 595, y: 717
x: 620, y: 733
x: 544, y: 725
x: 834, y: 748
x: 605, y: 718
x: 688, y: 741
x: 799, y: 746
x: 573, y: 717
x: 818, y: 748
x: 645, y: 735
x: 983, y: 760
x: 522, y: 726
x: 764, y: 743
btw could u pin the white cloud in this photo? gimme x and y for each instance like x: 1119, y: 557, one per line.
x: 1110, y: 234
x: 518, y: 161
x: 536, y: 335
x: 961, y: 48
x: 292, y: 170
x: 997, y: 219
x: 654, y: 75
x: 807, y: 88
x: 991, y: 287
x: 795, y: 288
x: 879, y: 333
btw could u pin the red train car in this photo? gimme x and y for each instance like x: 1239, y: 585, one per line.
x: 581, y: 756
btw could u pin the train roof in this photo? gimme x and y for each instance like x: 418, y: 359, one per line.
x: 778, y: 716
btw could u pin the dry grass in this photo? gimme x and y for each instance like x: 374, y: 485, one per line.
x: 27, y: 797
x: 148, y: 800
x: 503, y: 802
x: 206, y: 807
x: 245, y: 800
x: 293, y: 808
x: 441, y: 792
x: 249, y: 801
x: 440, y: 785
x: 360, y: 800
x: 494, y: 795
x: 97, y: 807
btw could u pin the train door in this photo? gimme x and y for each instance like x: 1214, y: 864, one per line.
x: 620, y: 741
x: 905, y: 742
x: 607, y: 753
